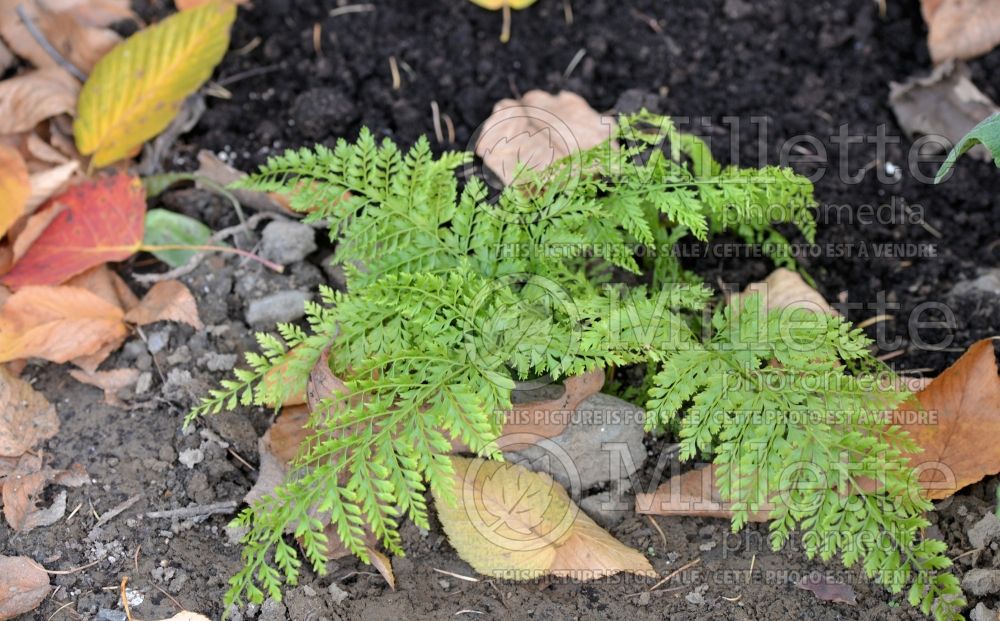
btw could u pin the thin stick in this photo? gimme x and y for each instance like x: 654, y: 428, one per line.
x: 874, y: 320
x: 113, y: 513
x: 663, y: 537
x: 172, y: 598
x: 128, y: 613
x: 135, y: 559
x: 505, y: 28
x: 454, y: 575
x: 750, y: 573
x: 39, y: 38
x: 352, y: 8
x: 436, y: 115
x: 573, y: 63
x: 66, y: 572
x: 568, y: 12
x: 675, y: 572
x: 243, y: 253
x: 318, y: 39
x: 249, y: 73
x: 451, y: 129
x: 59, y: 609
x: 394, y: 69
x: 198, y: 511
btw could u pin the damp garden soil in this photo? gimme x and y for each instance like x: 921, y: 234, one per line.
x: 790, y: 67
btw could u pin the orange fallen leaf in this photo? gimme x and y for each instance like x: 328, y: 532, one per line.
x: 961, y: 29
x: 108, y: 381
x: 103, y: 221
x: 57, y: 324
x: 537, y: 130
x: 108, y: 285
x: 26, y: 417
x: 169, y: 300
x: 14, y: 187
x: 23, y: 586
x: 28, y: 99
x: 512, y: 523
x: 693, y: 493
x: 957, y: 422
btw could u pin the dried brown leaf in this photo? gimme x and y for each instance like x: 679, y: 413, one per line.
x: 51, y: 182
x: 23, y: 586
x: 30, y: 98
x: 68, y: 31
x: 26, y: 417
x: 693, y: 493
x: 109, y: 381
x: 961, y: 29
x: 537, y: 130
x: 828, y: 589
x: 785, y: 289
x: 169, y: 300
x: 22, y: 488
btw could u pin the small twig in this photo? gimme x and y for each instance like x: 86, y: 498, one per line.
x: 454, y: 575
x: 171, y: 597
x: 674, y: 573
x: 66, y: 572
x: 966, y: 553
x: 113, y: 513
x: 196, y: 511
x: 394, y: 69
x: 663, y: 537
x: 505, y: 28
x: 568, y: 12
x: 135, y: 558
x: 891, y: 355
x: 436, y: 117
x: 59, y: 609
x: 249, y: 73
x: 128, y: 613
x: 318, y: 39
x: 73, y: 512
x: 753, y: 561
x: 451, y: 128
x: 240, y: 459
x: 873, y: 320
x: 352, y: 8
x: 732, y: 599
x: 573, y: 63
x: 649, y: 21
x: 468, y: 612
x: 39, y: 38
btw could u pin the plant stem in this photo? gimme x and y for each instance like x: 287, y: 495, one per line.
x: 242, y: 253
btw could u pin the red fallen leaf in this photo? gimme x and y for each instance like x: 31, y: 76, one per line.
x: 103, y: 221
x: 828, y: 589
x: 23, y: 586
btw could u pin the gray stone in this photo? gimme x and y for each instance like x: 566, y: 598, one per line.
x: 603, y: 442
x: 287, y: 242
x: 985, y: 531
x: 988, y: 282
x: 272, y: 610
x: 156, y: 341
x: 105, y: 614
x: 606, y: 510
x: 214, y: 361
x: 283, y: 306
x: 982, y: 613
x: 981, y: 581
x: 191, y: 457
x: 337, y: 594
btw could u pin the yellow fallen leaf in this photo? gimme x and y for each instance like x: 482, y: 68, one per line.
x: 30, y: 98
x: 515, y: 524
x: 506, y: 6
x: 15, y: 187
x: 137, y: 89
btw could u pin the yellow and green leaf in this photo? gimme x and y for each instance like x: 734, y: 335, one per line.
x: 139, y: 87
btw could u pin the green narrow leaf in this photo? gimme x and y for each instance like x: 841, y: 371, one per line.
x: 987, y: 133
x: 168, y: 228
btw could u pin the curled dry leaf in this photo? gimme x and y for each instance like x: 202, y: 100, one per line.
x: 108, y: 381
x: 14, y: 187
x: 169, y: 300
x: 214, y: 169
x: 75, y: 29
x: 108, y: 285
x: 537, y: 130
x: 29, y: 229
x: 103, y: 221
x: 24, y: 584
x: 956, y: 421
x: 961, y: 29
x: 26, y: 417
x: 512, y: 523
x: 57, y: 324
x: 28, y: 99
x: 785, y: 289
x: 694, y: 493
x: 23, y: 487
x: 43, y: 151
x: 828, y: 589
x: 945, y: 103
x: 47, y: 183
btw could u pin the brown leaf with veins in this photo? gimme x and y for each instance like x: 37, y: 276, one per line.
x: 26, y: 417
x: 22, y: 488
x: 537, y: 130
x: 169, y: 300
x: 961, y: 29
x: 109, y: 381
x: 693, y: 493
x: 28, y: 99
x: 71, y: 31
x: 24, y: 584
x: 828, y: 589
x: 957, y: 422
x: 785, y: 289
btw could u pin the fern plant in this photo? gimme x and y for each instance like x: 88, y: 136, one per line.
x: 454, y: 295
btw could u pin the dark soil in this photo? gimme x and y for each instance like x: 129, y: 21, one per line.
x: 805, y: 68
